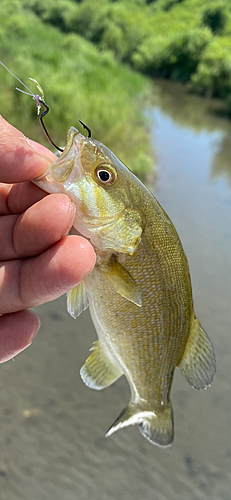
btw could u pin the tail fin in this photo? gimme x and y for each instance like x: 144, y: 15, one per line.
x: 159, y: 427
x: 156, y: 426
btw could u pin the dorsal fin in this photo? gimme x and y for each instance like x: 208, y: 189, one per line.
x: 198, y: 363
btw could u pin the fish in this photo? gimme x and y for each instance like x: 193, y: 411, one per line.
x: 139, y: 293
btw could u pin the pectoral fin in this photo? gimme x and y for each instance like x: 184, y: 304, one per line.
x: 98, y: 371
x: 198, y: 363
x: 77, y: 300
x: 122, y: 281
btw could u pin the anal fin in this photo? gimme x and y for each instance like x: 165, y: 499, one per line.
x: 198, y: 363
x: 98, y: 371
x: 77, y: 300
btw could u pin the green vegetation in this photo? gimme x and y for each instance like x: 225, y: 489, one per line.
x: 79, y: 81
x: 215, y: 16
x: 183, y: 40
x: 75, y: 48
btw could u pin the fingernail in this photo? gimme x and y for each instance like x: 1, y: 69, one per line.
x: 40, y: 149
x: 34, y: 145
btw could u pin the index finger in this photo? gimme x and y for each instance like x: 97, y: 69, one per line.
x: 20, y: 159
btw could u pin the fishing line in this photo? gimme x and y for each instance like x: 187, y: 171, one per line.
x: 39, y: 102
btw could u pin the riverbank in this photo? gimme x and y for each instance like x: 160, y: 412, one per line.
x: 79, y: 82
x: 181, y: 40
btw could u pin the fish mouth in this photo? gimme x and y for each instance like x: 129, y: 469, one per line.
x: 53, y: 180
x: 74, y: 142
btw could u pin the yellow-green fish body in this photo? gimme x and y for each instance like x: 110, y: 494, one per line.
x: 139, y: 291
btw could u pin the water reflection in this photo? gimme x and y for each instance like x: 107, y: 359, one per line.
x: 187, y: 110
x: 221, y: 163
x: 192, y: 141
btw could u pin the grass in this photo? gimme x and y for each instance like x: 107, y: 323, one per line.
x: 79, y: 82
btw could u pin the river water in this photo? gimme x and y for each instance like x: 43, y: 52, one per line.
x: 52, y: 426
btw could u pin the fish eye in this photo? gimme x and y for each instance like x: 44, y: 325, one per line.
x: 105, y: 174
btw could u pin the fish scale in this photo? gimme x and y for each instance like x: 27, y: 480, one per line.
x: 148, y: 333
x: 139, y: 292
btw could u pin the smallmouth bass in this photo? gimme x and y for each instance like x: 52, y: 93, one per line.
x: 139, y: 292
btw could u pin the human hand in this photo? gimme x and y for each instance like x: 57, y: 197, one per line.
x: 38, y: 262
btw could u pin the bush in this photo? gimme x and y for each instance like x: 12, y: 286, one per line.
x: 213, y: 75
x: 88, y: 21
x: 175, y: 56
x: 58, y: 13
x: 158, y: 37
x: 215, y: 17
x: 152, y: 55
x: 55, y: 12
x: 167, y: 5
x: 113, y: 40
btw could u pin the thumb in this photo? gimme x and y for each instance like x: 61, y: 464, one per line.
x: 21, y: 159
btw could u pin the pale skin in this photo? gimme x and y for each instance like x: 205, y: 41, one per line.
x: 38, y: 262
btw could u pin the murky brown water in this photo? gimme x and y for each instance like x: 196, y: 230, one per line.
x: 52, y: 427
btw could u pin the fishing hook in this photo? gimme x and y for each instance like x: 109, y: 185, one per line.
x: 42, y: 124
x: 87, y: 128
